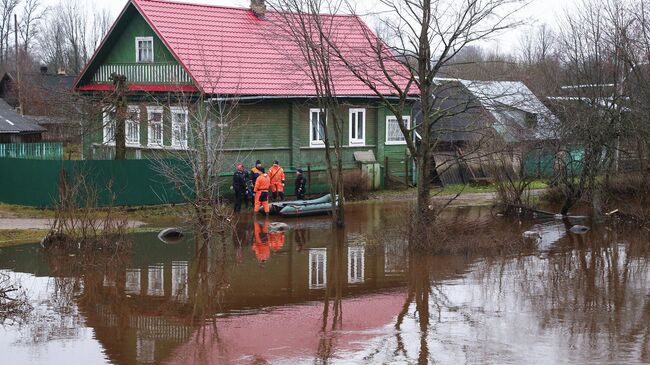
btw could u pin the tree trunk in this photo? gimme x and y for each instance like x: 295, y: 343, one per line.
x: 120, y: 133
x: 423, y: 194
x: 120, y: 104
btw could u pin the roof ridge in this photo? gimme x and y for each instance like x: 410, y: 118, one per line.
x: 212, y: 6
x: 179, y: 2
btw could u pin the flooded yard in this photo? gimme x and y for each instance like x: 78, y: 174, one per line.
x: 313, y: 294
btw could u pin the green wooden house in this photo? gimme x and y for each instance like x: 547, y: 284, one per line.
x: 179, y: 56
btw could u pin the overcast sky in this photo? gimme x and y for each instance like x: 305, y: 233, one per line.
x: 537, y: 12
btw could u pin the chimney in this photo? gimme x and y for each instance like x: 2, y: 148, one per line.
x: 43, y: 70
x: 258, y: 7
x: 61, y: 71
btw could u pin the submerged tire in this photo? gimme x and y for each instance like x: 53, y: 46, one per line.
x: 171, y: 235
x: 578, y: 229
x: 278, y: 227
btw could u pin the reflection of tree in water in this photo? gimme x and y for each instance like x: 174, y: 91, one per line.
x: 14, y: 306
x: 332, y: 320
x: 209, y: 280
x: 418, y: 293
x: 594, y: 289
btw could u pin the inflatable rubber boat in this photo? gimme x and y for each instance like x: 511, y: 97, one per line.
x: 302, y: 208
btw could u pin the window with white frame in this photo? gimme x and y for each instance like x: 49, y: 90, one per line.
x: 394, y: 134
x: 356, y: 264
x: 132, y: 124
x: 156, y: 282
x: 144, y: 49
x: 109, y: 127
x: 155, y: 125
x: 132, y: 284
x: 317, y: 122
x: 179, y: 280
x: 317, y: 268
x: 180, y: 128
x: 357, y: 127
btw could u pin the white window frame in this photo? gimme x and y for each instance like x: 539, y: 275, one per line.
x: 316, y: 143
x: 357, y: 141
x: 133, y: 281
x: 317, y: 265
x: 156, y: 280
x: 137, y: 49
x: 180, y: 280
x: 151, y: 123
x: 407, y: 119
x: 108, y: 130
x: 356, y: 264
x: 135, y: 123
x: 176, y: 142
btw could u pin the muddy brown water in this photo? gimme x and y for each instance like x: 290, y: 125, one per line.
x: 314, y: 295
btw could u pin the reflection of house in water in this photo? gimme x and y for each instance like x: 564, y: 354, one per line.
x: 180, y: 280
x: 356, y: 264
x: 144, y: 311
x: 156, y: 282
x: 317, y: 268
x: 395, y: 259
x: 132, y: 282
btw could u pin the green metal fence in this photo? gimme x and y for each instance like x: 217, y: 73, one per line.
x: 35, y: 183
x: 130, y: 183
x: 43, y: 151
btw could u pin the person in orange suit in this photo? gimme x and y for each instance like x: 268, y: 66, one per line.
x: 261, y: 244
x: 262, y: 185
x: 276, y: 241
x: 276, y: 172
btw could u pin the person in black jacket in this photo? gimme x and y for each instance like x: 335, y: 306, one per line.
x: 300, y: 185
x: 239, y: 187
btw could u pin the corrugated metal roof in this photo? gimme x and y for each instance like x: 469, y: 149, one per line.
x: 231, y: 51
x: 504, y: 98
x: 12, y: 122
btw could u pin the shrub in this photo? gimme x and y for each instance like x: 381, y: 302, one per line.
x: 553, y: 195
x: 629, y: 185
x: 356, y: 185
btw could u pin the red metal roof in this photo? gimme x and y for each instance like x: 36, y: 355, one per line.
x: 230, y: 51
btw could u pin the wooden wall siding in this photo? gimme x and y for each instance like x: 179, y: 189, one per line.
x: 279, y: 130
x: 122, y: 48
x: 118, y: 55
x: 142, y: 73
x: 395, y: 153
x: 261, y: 126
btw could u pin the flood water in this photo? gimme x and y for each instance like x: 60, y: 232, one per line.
x: 314, y: 295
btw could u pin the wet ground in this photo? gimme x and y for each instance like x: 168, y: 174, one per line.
x: 355, y: 296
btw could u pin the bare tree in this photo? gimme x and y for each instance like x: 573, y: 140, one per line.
x: 426, y: 36
x: 304, y: 25
x: 7, y: 8
x: 593, y: 115
x: 31, y: 17
x: 71, y: 33
x: 199, y: 154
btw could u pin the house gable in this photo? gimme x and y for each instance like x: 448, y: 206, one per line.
x: 118, y: 54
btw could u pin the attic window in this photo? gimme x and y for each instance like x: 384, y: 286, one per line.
x: 144, y: 49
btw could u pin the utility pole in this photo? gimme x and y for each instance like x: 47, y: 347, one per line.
x: 20, y: 102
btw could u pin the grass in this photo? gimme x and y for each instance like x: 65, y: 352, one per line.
x: 491, y: 188
x: 13, y: 237
x: 19, y: 211
x: 152, y: 215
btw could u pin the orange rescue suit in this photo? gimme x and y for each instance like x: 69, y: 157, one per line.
x: 261, y: 245
x: 277, y: 179
x: 262, y: 193
x: 276, y: 241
